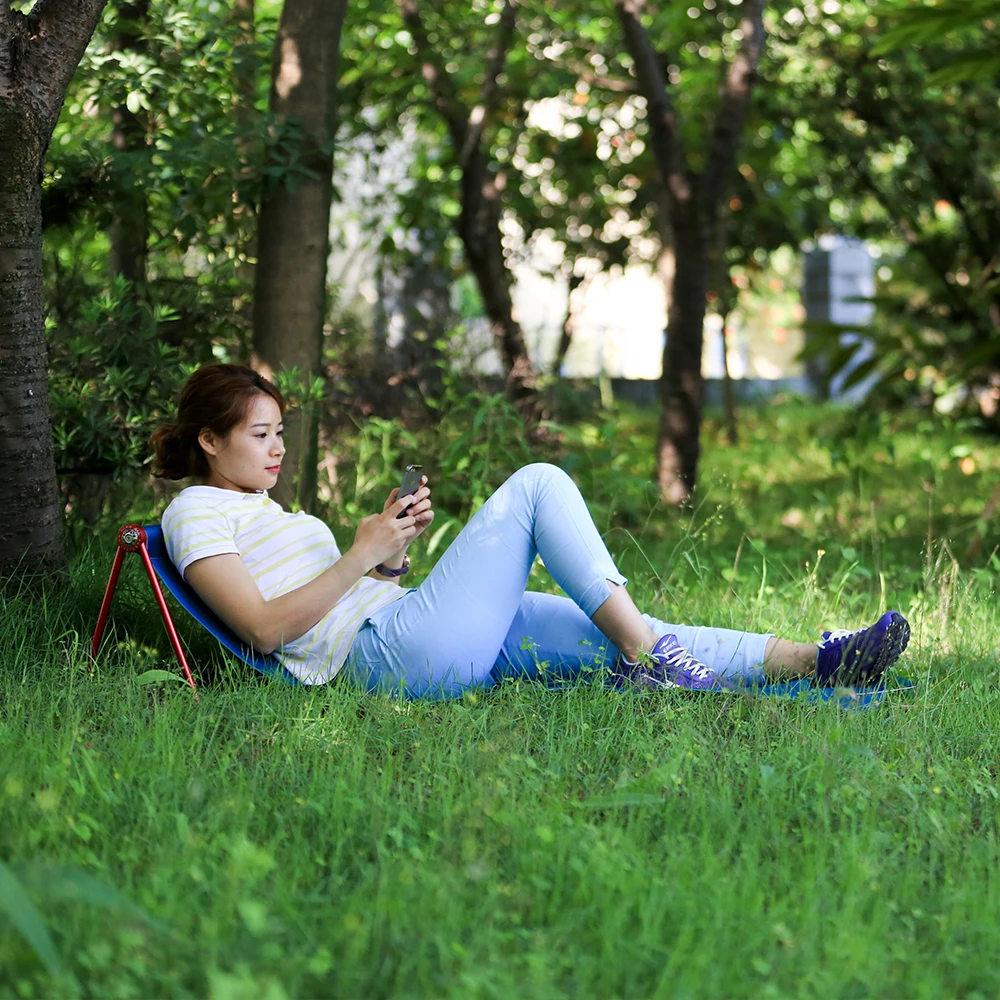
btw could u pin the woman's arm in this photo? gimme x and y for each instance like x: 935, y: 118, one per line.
x: 224, y: 583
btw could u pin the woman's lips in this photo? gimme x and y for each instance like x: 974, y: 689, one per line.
x: 274, y: 468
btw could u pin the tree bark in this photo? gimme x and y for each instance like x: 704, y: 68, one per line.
x: 729, y: 418
x: 478, y: 224
x: 130, y: 222
x: 244, y: 211
x: 39, y: 53
x: 569, y: 323
x: 694, y: 201
x: 681, y: 385
x: 294, y: 229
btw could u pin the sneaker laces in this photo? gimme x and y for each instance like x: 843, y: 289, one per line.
x: 840, y: 633
x: 681, y: 659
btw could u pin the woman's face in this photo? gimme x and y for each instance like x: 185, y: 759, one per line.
x: 249, y: 457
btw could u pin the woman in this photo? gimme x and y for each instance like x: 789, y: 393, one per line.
x: 280, y: 582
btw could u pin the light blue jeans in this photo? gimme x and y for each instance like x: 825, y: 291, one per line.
x: 471, y: 624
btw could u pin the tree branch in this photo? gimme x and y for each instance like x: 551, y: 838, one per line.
x: 731, y: 117
x: 439, y: 83
x: 491, y: 83
x: 58, y: 34
x: 465, y: 127
x: 597, y: 81
x: 664, y: 125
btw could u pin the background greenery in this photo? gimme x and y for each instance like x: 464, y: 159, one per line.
x: 860, y: 125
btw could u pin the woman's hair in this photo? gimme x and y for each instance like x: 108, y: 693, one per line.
x: 216, y: 398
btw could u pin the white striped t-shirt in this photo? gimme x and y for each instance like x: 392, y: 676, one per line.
x: 282, y: 551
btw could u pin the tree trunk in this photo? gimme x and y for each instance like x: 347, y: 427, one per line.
x: 566, y: 337
x: 294, y: 229
x: 484, y: 252
x: 479, y: 229
x: 728, y: 393
x: 31, y: 528
x: 244, y: 211
x: 478, y: 224
x: 130, y: 222
x: 681, y: 384
x: 412, y: 316
x: 694, y: 201
x: 48, y: 44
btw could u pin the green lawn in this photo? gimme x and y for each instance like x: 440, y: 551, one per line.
x: 271, y: 842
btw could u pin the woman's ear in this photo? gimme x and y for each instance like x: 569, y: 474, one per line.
x: 208, y: 442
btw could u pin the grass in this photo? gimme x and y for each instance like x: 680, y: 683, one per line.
x: 277, y: 842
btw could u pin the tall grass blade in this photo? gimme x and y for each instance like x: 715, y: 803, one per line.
x: 24, y: 915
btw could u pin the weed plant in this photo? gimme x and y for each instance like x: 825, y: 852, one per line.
x: 276, y: 842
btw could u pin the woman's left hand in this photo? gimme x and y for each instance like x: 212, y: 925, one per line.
x: 420, y: 508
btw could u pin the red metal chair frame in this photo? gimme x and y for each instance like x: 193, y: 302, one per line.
x: 132, y: 538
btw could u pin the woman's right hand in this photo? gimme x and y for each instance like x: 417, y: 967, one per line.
x: 381, y: 536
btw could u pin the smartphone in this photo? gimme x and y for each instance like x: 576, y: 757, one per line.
x: 410, y: 483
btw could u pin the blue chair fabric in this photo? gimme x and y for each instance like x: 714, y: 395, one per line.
x: 196, y: 607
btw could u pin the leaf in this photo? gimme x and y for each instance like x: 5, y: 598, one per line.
x: 970, y: 66
x: 72, y: 885
x: 438, y: 535
x: 25, y: 917
x: 152, y: 676
x: 860, y: 373
x: 926, y: 24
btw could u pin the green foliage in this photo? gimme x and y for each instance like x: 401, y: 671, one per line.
x: 22, y: 913
x: 113, y: 378
x: 200, y: 148
x: 909, y: 165
x: 479, y: 440
x: 975, y: 21
x: 22, y: 884
x: 202, y: 133
x: 475, y: 440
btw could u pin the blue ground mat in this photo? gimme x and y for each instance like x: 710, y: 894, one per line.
x: 844, y: 697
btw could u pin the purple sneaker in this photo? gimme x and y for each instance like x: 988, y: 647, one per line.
x: 667, y: 665
x: 860, y: 658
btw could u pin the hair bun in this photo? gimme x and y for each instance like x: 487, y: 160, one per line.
x: 170, y: 452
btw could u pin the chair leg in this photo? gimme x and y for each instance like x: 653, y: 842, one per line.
x: 109, y: 595
x: 167, y: 620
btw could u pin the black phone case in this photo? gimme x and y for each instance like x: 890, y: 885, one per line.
x: 410, y: 483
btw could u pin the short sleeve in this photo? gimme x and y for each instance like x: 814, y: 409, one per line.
x: 194, y: 530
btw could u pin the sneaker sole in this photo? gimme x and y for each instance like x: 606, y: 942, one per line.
x: 897, y: 635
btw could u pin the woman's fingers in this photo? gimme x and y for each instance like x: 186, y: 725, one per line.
x: 399, y: 505
x: 421, y: 494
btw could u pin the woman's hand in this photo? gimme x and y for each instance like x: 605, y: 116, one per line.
x: 380, y: 537
x: 420, y: 510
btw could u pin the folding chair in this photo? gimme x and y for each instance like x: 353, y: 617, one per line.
x: 148, y: 542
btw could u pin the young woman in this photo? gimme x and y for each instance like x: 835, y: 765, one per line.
x: 281, y: 583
